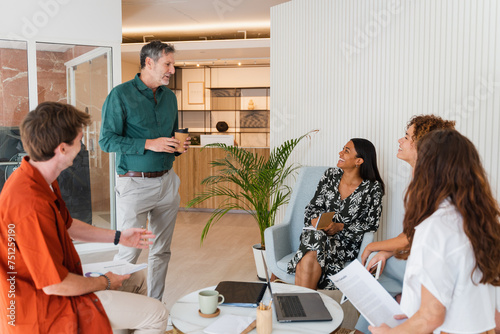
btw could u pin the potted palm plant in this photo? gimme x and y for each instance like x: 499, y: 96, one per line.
x: 261, y: 182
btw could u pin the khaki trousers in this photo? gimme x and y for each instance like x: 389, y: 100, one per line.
x: 129, y: 308
x: 156, y: 200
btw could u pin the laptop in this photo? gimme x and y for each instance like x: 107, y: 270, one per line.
x: 291, y: 307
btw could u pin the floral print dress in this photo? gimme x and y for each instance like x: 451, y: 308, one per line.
x: 360, y: 212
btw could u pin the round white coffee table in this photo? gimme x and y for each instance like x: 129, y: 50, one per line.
x: 185, y: 318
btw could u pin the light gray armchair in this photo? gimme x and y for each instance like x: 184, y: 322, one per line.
x: 282, y: 240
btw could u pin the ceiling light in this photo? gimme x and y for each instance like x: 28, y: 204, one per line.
x: 196, y: 27
x: 239, y: 64
x: 197, y: 65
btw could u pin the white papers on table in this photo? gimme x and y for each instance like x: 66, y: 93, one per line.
x: 229, y: 324
x: 119, y: 267
x: 367, y: 295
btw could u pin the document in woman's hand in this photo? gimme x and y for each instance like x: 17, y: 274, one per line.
x: 367, y: 295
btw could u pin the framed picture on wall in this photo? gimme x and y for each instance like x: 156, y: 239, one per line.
x: 196, y: 92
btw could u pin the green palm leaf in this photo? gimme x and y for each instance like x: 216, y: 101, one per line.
x: 260, y: 181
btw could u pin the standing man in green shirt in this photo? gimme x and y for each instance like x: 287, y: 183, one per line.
x: 139, y: 118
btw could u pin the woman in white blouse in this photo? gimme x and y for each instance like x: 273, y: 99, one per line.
x: 452, y: 279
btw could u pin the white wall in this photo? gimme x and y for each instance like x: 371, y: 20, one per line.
x: 74, y: 21
x: 89, y: 22
x: 129, y: 70
x: 356, y: 68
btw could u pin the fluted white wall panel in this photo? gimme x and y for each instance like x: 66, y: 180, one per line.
x: 359, y: 68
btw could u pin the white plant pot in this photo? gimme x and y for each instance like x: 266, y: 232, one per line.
x: 259, y: 263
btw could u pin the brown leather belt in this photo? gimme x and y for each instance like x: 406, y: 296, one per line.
x: 144, y: 174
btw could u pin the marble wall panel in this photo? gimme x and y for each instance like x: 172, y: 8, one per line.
x: 51, y: 76
x: 13, y: 86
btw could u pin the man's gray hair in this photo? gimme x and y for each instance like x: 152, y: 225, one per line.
x: 154, y: 50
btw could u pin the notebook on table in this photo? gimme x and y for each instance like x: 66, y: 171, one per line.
x: 291, y: 307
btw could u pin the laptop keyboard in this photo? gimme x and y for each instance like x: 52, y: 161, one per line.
x: 291, y: 306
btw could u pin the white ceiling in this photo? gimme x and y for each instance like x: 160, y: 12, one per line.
x: 173, y: 20
x: 216, y: 29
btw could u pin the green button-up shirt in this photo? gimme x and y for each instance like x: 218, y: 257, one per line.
x: 130, y: 115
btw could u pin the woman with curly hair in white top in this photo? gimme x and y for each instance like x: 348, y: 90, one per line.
x: 452, y: 278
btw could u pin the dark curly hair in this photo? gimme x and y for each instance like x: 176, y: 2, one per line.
x: 427, y: 123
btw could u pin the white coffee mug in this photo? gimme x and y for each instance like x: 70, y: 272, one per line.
x: 209, y: 300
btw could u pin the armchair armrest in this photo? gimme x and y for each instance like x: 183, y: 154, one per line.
x: 277, y: 239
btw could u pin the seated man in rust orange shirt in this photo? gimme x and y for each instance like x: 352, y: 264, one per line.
x: 42, y: 286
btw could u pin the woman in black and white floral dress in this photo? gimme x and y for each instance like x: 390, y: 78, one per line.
x: 354, y: 192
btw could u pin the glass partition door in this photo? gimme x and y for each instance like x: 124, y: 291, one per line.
x: 81, y: 76
x: 89, y: 82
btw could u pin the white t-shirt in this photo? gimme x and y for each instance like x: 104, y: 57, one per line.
x: 442, y: 260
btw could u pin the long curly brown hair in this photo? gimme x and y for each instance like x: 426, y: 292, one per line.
x: 427, y: 123
x: 449, y: 166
